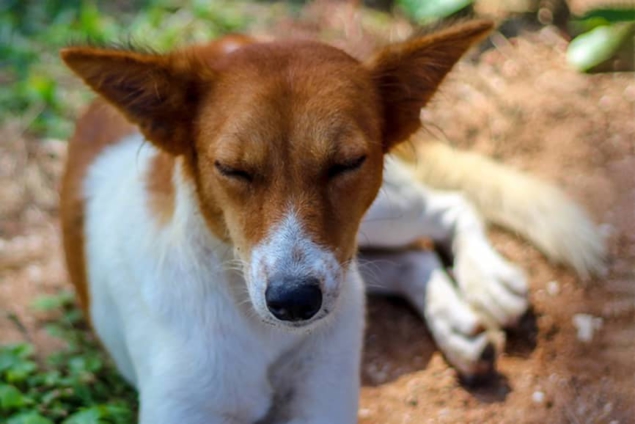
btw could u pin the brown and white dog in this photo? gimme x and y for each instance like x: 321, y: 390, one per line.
x: 213, y: 205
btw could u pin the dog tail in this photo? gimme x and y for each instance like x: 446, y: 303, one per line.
x: 536, y: 210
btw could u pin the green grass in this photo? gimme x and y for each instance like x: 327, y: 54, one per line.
x: 77, y: 385
x: 80, y: 385
x: 37, y: 90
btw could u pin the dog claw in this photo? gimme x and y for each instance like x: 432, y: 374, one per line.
x: 477, y: 361
x: 484, y: 370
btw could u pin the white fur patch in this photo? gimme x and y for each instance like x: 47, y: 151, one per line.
x: 164, y: 304
x: 290, y: 252
x: 175, y: 315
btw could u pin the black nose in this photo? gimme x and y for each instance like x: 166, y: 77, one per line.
x: 294, y: 299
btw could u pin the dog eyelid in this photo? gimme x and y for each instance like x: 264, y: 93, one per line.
x: 343, y: 168
x: 234, y: 173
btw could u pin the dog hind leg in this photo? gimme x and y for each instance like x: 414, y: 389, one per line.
x: 405, y: 211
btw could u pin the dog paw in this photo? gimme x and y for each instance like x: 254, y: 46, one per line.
x: 460, y: 332
x: 495, y: 288
x: 474, y: 357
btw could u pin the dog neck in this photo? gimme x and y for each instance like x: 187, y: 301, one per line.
x: 186, y: 243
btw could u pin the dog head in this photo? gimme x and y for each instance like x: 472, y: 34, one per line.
x: 283, y: 141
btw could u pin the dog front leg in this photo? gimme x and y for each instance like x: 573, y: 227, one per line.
x: 166, y: 405
x: 419, y: 277
x: 406, y: 211
x: 177, y: 387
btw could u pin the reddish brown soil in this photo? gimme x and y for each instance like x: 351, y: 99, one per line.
x: 517, y: 102
x: 520, y: 103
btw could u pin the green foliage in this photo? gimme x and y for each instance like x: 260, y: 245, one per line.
x: 610, y: 15
x: 601, y: 35
x: 78, y: 385
x: 595, y: 47
x: 424, y: 11
x: 35, y: 87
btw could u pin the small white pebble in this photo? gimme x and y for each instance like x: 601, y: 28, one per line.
x: 510, y: 69
x: 35, y: 273
x: 586, y: 325
x: 553, y: 288
x: 18, y: 242
x: 605, y: 102
x: 364, y: 413
x: 443, y: 412
x: 538, y: 397
x: 606, y: 230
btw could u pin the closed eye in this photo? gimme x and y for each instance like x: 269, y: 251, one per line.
x: 234, y: 173
x: 346, y: 167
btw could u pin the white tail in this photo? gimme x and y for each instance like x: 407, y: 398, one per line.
x: 538, y: 211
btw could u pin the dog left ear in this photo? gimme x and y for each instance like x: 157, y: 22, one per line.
x: 159, y: 93
x: 407, y: 74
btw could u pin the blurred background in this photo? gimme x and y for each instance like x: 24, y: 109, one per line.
x: 551, y: 92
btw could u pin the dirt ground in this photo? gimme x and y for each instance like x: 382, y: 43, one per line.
x: 517, y: 102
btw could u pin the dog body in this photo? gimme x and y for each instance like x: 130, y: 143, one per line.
x: 175, y: 318
x: 213, y: 241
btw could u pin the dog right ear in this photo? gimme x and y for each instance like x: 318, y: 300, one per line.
x: 159, y: 93
x: 407, y: 74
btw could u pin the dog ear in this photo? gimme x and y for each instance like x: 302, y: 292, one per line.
x: 159, y: 93
x: 407, y: 74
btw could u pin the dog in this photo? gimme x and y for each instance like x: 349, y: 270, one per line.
x: 215, y: 198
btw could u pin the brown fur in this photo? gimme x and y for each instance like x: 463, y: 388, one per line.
x: 308, y: 128
x: 161, y: 187
x: 263, y: 128
x: 99, y: 127
x: 409, y: 73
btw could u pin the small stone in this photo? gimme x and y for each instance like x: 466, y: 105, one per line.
x: 553, y: 288
x: 34, y: 273
x: 538, y: 397
x: 510, y: 69
x: 443, y: 412
x: 606, y: 230
x: 586, y: 325
x: 364, y: 413
x: 605, y: 103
